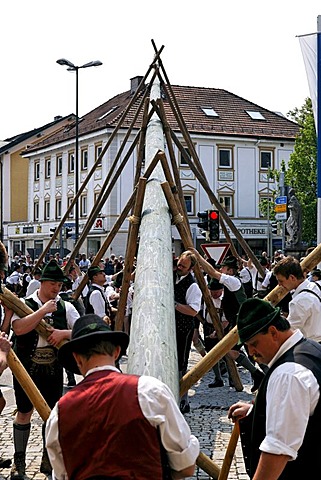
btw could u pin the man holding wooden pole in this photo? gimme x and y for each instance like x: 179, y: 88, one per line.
x: 39, y: 357
x: 280, y: 434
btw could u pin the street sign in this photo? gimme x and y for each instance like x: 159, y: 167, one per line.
x: 281, y: 216
x: 217, y: 251
x: 280, y: 208
x: 281, y: 200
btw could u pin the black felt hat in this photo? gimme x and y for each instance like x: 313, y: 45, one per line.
x: 254, y: 315
x: 52, y: 272
x: 230, y: 262
x: 86, y: 330
x: 214, y: 284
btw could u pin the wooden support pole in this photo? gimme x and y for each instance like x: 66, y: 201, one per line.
x: 200, y: 278
x: 20, y: 308
x: 30, y: 389
x: 206, y: 464
x: 227, y: 342
x: 98, y: 160
x: 130, y: 253
x: 227, y: 462
x: 187, y: 237
x: 113, y: 232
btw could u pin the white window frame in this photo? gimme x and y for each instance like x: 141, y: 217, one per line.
x: 47, y: 167
x: 83, y: 206
x: 36, y: 210
x: 47, y: 209
x: 191, y: 210
x: 71, y: 162
x: 98, y: 150
x: 264, y: 151
x: 84, y: 159
x: 58, y: 208
x: 37, y: 170
x: 227, y: 202
x: 59, y: 165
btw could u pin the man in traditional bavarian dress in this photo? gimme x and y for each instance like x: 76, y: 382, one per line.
x: 39, y: 356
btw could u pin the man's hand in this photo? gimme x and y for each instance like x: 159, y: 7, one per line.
x: 49, y: 307
x: 5, y: 346
x: 239, y: 410
x: 58, y: 336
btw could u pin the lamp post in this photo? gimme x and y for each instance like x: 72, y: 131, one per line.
x: 75, y: 68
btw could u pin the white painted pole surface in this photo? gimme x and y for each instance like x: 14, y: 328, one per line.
x: 152, y: 346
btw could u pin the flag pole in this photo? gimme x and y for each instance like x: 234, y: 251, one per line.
x: 318, y: 128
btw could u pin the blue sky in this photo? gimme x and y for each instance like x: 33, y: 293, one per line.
x: 246, y: 47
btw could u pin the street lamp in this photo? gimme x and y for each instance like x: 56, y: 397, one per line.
x: 75, y: 68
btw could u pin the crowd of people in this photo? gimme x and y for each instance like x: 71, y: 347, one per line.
x: 92, y: 347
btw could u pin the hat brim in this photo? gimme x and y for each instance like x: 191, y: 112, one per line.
x: 65, y: 352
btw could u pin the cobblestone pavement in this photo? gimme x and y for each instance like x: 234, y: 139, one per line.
x: 207, y: 419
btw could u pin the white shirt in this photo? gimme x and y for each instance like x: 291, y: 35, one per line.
x: 96, y: 300
x: 305, y: 311
x: 71, y: 315
x: 231, y: 282
x: 159, y: 408
x: 33, y: 285
x: 292, y: 395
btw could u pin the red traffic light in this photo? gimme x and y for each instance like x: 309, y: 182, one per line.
x: 213, y: 215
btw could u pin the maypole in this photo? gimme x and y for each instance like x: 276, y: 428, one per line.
x: 152, y: 347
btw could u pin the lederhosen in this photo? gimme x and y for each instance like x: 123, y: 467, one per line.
x: 41, y: 363
x: 184, y: 323
x: 253, y: 427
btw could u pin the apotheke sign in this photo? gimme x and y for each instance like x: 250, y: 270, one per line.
x: 252, y: 231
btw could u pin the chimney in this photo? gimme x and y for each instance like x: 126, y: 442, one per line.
x: 57, y: 117
x: 134, y: 82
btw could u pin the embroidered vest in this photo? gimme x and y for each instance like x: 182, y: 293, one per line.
x: 25, y: 345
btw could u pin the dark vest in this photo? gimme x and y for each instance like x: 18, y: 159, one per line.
x: 115, y: 439
x: 185, y: 321
x: 89, y: 307
x: 308, y: 354
x: 25, y: 345
x: 231, y: 303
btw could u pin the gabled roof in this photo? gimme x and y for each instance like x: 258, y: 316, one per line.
x: 232, y: 116
x: 22, y: 138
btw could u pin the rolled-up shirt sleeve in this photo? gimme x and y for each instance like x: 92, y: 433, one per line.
x: 292, y: 396
x: 161, y: 410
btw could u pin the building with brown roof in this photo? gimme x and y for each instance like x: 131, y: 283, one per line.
x: 237, y: 142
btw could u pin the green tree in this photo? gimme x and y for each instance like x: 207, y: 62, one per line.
x: 301, y: 173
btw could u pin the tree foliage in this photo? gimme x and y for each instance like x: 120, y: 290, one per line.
x: 301, y: 173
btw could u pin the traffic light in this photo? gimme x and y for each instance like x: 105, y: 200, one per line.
x: 203, y: 223
x: 53, y: 231
x: 214, y: 225
x: 68, y: 233
x: 274, y: 228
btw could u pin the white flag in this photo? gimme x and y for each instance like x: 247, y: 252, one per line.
x: 308, y: 45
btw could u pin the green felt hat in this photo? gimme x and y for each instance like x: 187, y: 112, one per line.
x: 52, y: 272
x: 92, y: 271
x: 254, y: 315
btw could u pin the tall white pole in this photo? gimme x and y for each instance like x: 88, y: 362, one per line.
x: 152, y: 346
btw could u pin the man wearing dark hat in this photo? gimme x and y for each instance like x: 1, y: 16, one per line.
x: 187, y: 296
x: 234, y: 296
x: 113, y: 425
x: 281, y: 432
x: 96, y: 299
x: 39, y: 357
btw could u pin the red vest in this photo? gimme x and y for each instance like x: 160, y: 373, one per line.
x: 102, y: 430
